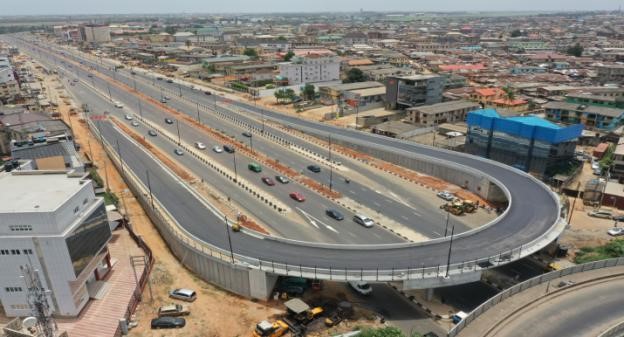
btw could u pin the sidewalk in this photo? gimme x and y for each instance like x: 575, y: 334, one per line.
x: 511, y: 305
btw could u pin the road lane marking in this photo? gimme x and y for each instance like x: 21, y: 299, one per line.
x: 315, y: 220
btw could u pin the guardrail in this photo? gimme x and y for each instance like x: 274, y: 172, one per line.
x: 614, y: 331
x: 484, y: 307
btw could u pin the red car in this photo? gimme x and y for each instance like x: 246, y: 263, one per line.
x: 268, y: 181
x: 297, y: 196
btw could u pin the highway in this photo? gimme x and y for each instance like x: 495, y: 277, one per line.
x: 532, y: 212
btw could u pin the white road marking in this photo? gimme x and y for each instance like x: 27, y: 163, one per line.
x: 376, y: 204
x: 315, y: 220
x: 331, y: 228
x: 404, y: 217
x: 309, y: 217
x: 436, y: 233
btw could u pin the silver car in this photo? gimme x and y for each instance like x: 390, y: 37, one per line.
x: 183, y: 294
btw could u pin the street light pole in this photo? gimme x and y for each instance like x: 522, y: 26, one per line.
x: 198, y: 119
x: 149, y: 187
x: 235, y: 171
x: 251, y: 142
x: 448, y: 215
x: 178, y: 128
x: 227, y: 230
x: 331, y: 167
x: 110, y: 96
x: 140, y: 108
x: 448, y: 260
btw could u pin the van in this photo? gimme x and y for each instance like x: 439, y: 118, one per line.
x: 363, y: 220
x: 255, y: 167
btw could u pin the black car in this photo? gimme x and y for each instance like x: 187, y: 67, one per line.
x: 168, y: 322
x: 169, y: 81
x: 229, y: 149
x: 152, y: 133
x: 332, y: 213
x: 168, y: 120
x: 207, y: 93
x: 314, y: 168
x: 247, y: 134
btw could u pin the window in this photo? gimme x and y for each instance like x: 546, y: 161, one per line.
x: 76, y: 209
x: 27, y: 251
x: 13, y: 289
x: 85, y: 201
x: 88, y: 239
x: 20, y: 228
x: 4, y: 252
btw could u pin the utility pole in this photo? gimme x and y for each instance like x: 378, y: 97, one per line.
x: 178, y: 128
x: 331, y: 167
x: 251, y: 142
x: 235, y: 171
x: 578, y: 191
x: 198, y: 119
x: 227, y: 230
x: 448, y: 260
x: 119, y: 155
x: 110, y: 96
x: 140, y: 108
x: 149, y: 187
x: 448, y: 215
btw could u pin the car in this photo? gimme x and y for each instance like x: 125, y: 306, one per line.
x: 200, y: 145
x: 255, y: 167
x: 183, y: 294
x: 332, y: 213
x: 159, y: 78
x: 600, y: 214
x: 168, y: 120
x: 163, y: 100
x: 76, y: 80
x: 135, y: 123
x: 282, y: 179
x: 618, y: 217
x: 268, y: 181
x: 152, y: 133
x: 217, y: 149
x: 173, y: 310
x: 118, y: 105
x: 247, y: 134
x: 616, y: 231
x: 363, y: 220
x: 178, y: 152
x: 128, y: 117
x: 168, y: 323
x: 297, y: 196
x: 169, y: 81
x: 90, y: 75
x: 446, y: 195
x: 361, y: 288
x: 133, y: 73
x: 167, y: 98
x: 207, y: 93
x: 314, y: 168
x: 229, y: 149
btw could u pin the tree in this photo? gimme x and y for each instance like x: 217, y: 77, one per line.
x: 281, y: 38
x: 510, y: 95
x: 251, y: 53
x: 188, y: 43
x: 576, y: 50
x: 355, y: 75
x: 284, y: 95
x: 516, y: 33
x: 308, y: 92
x: 385, y: 332
x: 289, y: 56
x: 171, y: 30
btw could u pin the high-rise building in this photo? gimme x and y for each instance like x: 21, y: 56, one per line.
x: 408, y: 91
x: 311, y: 68
x: 53, y: 222
x: 95, y: 33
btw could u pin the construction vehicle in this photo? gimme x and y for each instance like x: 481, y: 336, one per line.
x: 267, y: 329
x: 301, y: 311
x: 455, y: 207
x: 469, y: 206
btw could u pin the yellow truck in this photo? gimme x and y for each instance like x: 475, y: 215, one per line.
x: 267, y: 329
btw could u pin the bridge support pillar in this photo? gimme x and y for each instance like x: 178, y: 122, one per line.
x: 429, y: 294
x: 261, y: 284
x: 438, y: 282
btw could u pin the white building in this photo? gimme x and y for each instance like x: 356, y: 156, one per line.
x: 311, y: 68
x: 96, y: 33
x: 9, y: 87
x: 53, y: 221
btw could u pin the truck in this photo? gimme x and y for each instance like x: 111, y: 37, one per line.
x: 267, y: 329
x: 301, y: 312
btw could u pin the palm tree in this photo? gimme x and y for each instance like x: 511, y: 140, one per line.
x: 509, y: 93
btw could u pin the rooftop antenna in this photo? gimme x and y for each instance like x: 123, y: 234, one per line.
x: 37, y: 298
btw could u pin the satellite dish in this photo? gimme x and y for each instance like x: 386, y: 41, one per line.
x: 29, y: 322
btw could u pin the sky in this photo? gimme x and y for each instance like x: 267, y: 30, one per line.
x: 68, y: 7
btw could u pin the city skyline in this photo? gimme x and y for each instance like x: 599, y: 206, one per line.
x: 74, y: 7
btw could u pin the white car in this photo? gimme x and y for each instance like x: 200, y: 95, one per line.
x: 362, y: 288
x: 135, y: 123
x: 217, y: 149
x: 128, y: 117
x: 118, y: 105
x: 616, y: 231
x: 446, y: 195
x: 200, y: 145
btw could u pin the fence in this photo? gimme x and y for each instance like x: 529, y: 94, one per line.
x: 480, y: 310
x: 614, y: 331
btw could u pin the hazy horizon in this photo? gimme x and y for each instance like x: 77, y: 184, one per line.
x: 77, y: 7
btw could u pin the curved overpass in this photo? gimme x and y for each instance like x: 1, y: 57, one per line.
x: 530, y: 222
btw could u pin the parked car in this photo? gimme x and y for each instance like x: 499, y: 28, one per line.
x: 178, y: 152
x: 601, y: 214
x: 163, y: 100
x: 168, y: 120
x: 446, y: 195
x: 200, y: 145
x: 360, y: 287
x: 128, y: 117
x: 247, y: 134
x: 134, y: 123
x: 314, y: 168
x: 297, y: 196
x: 159, y: 78
x: 229, y: 149
x: 169, y: 81
x: 166, y: 98
x: 173, y: 310
x: 332, y: 213
x: 183, y: 294
x: 618, y: 217
x: 282, y: 179
x: 168, y: 323
x: 207, y: 93
x: 152, y: 133
x: 616, y: 231
x: 118, y: 105
x: 217, y: 149
x: 268, y: 181
x: 363, y: 220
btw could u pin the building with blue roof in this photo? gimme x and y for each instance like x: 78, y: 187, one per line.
x: 529, y: 143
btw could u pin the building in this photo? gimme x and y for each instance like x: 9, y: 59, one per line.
x: 613, y: 73
x: 9, y: 86
x: 529, y: 143
x: 408, y: 91
x: 312, y: 68
x: 592, y: 116
x: 53, y: 221
x: 29, y: 126
x: 436, y: 114
x: 335, y: 94
x: 617, y: 170
x: 95, y: 33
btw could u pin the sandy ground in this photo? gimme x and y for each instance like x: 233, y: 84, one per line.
x: 216, y: 313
